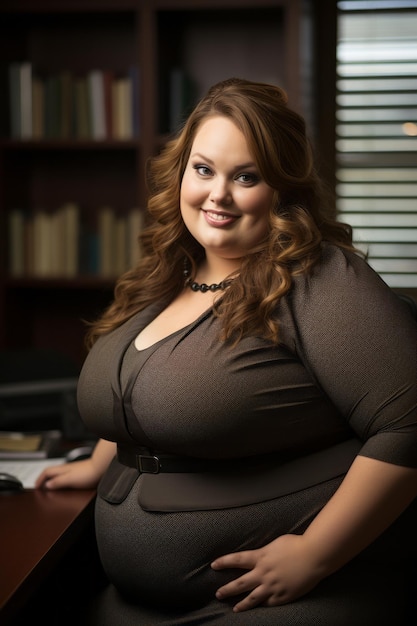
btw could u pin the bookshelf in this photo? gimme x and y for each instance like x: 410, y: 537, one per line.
x: 71, y: 165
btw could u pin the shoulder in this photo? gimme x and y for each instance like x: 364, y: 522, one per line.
x: 342, y: 270
x: 342, y: 288
x: 343, y: 291
x: 339, y: 261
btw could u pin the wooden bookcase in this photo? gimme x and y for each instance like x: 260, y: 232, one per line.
x: 207, y: 40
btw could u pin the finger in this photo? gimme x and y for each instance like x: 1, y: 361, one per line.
x: 51, y: 477
x: 44, y: 477
x: 255, y: 598
x: 243, y: 560
x: 245, y: 583
x: 47, y: 482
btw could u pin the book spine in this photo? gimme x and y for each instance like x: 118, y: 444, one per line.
x: 14, y: 100
x: 42, y: 244
x: 38, y: 108
x: 82, y: 109
x: 106, y: 234
x: 122, y: 108
x: 56, y: 258
x: 120, y: 246
x: 71, y: 239
x: 65, y: 113
x: 96, y: 104
x: 135, y: 221
x: 52, y: 107
x: 26, y: 100
x: 135, y: 100
x: 16, y: 246
x: 63, y: 106
x: 108, y: 104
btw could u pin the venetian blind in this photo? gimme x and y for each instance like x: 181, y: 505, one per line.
x: 376, y: 133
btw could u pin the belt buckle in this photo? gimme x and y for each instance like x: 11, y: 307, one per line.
x: 148, y: 464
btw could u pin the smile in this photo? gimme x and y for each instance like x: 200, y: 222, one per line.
x: 219, y: 219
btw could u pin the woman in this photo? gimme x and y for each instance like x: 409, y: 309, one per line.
x: 254, y: 387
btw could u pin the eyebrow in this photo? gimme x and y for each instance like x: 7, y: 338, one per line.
x: 207, y: 160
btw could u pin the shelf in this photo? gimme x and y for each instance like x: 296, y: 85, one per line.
x: 57, y: 284
x: 195, y: 42
x: 40, y: 178
x: 68, y: 6
x: 59, y: 144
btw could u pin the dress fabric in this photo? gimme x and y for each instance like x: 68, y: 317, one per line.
x: 346, y: 366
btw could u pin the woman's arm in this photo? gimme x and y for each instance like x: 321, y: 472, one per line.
x: 370, y: 498
x: 83, y: 474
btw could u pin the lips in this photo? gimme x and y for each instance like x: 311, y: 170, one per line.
x: 219, y: 219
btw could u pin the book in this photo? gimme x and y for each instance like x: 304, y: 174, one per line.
x: 71, y: 238
x: 82, y: 109
x: 15, y: 100
x: 26, y: 100
x: 127, y: 107
x: 119, y: 264
x: 88, y: 249
x: 106, y: 237
x: 122, y: 108
x: 135, y: 223
x: 95, y: 83
x: 135, y: 97
x: 29, y: 246
x: 20, y: 100
x: 52, y: 119
x: 66, y: 109
x: 108, y: 106
x: 42, y: 243
x: 18, y: 445
x: 16, y: 246
x: 57, y: 249
x: 38, y: 108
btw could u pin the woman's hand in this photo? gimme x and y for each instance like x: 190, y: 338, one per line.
x: 278, y: 573
x: 372, y: 495
x: 83, y: 474
x: 76, y: 475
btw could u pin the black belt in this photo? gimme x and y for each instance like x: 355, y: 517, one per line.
x: 147, y: 462
x: 327, y: 462
x: 190, y: 484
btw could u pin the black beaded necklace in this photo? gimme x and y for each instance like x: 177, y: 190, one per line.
x: 192, y: 284
x: 203, y: 287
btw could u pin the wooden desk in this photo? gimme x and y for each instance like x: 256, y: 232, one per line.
x: 37, y: 529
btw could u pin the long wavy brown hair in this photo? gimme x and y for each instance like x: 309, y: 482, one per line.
x: 300, y: 220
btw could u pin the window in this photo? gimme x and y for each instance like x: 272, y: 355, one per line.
x: 376, y: 133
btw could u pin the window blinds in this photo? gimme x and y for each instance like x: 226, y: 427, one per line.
x: 376, y: 133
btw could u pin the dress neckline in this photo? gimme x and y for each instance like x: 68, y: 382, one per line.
x: 172, y: 335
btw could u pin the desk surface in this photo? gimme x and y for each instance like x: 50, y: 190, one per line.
x: 36, y: 528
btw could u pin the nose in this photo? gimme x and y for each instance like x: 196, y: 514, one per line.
x: 220, y: 193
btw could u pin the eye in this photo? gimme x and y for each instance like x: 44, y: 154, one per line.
x: 202, y: 170
x: 248, y: 178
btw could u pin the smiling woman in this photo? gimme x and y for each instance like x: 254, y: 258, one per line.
x: 257, y: 460
x: 225, y: 203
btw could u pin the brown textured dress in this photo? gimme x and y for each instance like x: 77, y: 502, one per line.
x: 346, y: 367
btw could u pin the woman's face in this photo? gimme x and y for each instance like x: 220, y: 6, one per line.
x: 224, y: 201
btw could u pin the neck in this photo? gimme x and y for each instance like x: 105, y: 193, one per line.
x: 214, y: 269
